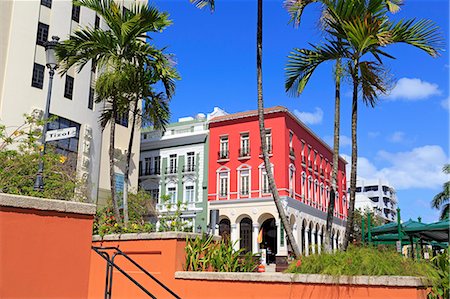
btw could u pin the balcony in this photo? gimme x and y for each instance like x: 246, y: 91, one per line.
x: 244, y: 193
x: 269, y: 150
x: 223, y: 155
x: 244, y: 153
x: 223, y: 194
x: 150, y: 171
x: 188, y: 168
x: 171, y: 170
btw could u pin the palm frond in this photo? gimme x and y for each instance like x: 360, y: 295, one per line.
x: 373, y: 81
x: 295, y: 9
x: 204, y: 3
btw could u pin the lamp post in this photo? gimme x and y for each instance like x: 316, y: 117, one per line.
x: 52, y: 65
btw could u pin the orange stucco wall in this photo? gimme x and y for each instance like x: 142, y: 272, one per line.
x: 44, y: 254
x: 163, y: 257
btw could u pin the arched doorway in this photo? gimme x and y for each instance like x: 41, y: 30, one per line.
x: 225, y: 228
x: 269, y: 241
x: 304, y: 237
x: 246, y: 234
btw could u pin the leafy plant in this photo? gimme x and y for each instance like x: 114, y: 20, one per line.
x: 19, y: 159
x: 441, y: 288
x: 171, y: 220
x: 203, y: 254
x: 363, y: 261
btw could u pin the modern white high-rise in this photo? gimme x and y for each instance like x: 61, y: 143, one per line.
x: 24, y: 27
x: 377, y: 195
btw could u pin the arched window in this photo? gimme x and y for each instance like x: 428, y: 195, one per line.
x: 225, y: 228
x: 223, y: 183
x: 264, y: 180
x: 303, y: 186
x: 316, y: 193
x: 244, y: 180
x: 246, y: 234
x: 322, y: 197
x: 310, y: 189
x: 292, y: 181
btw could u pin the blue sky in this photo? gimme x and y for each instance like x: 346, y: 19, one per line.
x: 404, y: 139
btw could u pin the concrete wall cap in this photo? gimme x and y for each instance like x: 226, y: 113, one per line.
x: 389, y: 281
x: 43, y: 204
x: 148, y: 236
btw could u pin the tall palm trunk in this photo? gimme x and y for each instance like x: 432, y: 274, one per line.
x: 128, y: 161
x: 337, y: 111
x: 112, y: 175
x: 351, y: 208
x: 262, y: 132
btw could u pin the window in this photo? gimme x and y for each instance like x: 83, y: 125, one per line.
x: 310, y: 188
x: 358, y: 189
x: 42, y: 34
x: 291, y: 181
x: 68, y: 88
x: 322, y: 195
x: 47, y: 3
x: 76, y: 13
x: 154, y: 193
x: 38, y: 76
x: 157, y: 165
x: 303, y: 183
x: 91, y: 98
x: 189, y: 193
x: 245, y: 234
x: 223, y: 184
x: 148, y: 163
x: 172, y: 193
x: 315, y: 160
x: 190, y: 166
x: 265, y: 183
x: 172, y: 163
x: 245, y: 145
x: 223, y: 153
x: 370, y: 188
x: 97, y: 22
x: 316, y: 192
x: 244, y: 182
x: 269, y: 140
x: 309, y: 156
x: 303, y: 151
x: 291, y: 140
x: 66, y: 147
x: 122, y: 119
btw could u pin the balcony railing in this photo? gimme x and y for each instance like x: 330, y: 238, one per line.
x: 269, y: 149
x: 150, y: 171
x: 223, y: 194
x: 171, y: 170
x: 244, y: 192
x: 223, y: 155
x: 188, y: 168
x: 244, y: 152
x: 266, y: 190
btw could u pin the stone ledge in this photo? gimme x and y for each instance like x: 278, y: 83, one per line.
x: 387, y: 281
x: 148, y: 236
x: 43, y: 204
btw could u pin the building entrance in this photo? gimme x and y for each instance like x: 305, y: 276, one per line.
x: 269, y: 240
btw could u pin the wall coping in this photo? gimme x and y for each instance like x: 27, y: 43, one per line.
x: 44, y: 204
x: 390, y: 281
x: 148, y: 236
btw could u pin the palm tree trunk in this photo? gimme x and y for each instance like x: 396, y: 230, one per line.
x: 112, y: 175
x: 337, y: 110
x: 127, y: 165
x: 262, y: 132
x: 349, y: 228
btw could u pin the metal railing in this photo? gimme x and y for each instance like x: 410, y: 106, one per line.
x: 223, y: 155
x: 151, y: 171
x: 244, y: 152
x: 110, y: 265
x: 188, y: 168
x: 171, y: 170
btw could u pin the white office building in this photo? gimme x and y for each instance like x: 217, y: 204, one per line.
x: 24, y: 28
x: 379, y: 196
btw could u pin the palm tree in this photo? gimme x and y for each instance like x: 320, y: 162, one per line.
x: 124, y: 41
x: 441, y: 200
x: 295, y: 9
x: 359, y: 28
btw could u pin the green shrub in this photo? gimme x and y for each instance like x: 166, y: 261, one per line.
x: 441, y: 288
x: 363, y: 261
x: 204, y: 254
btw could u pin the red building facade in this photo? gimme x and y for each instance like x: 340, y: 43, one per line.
x: 301, y: 164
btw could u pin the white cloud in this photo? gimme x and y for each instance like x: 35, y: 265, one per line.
x: 310, y: 118
x: 344, y: 141
x: 397, y: 137
x: 419, y: 168
x: 413, y: 89
x: 446, y: 103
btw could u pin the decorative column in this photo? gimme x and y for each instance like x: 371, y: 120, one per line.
x: 300, y: 240
x: 306, y: 241
x: 313, y: 240
x: 319, y: 242
x: 255, y: 245
x: 234, y: 235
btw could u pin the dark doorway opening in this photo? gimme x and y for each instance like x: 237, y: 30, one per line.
x: 246, y: 234
x: 225, y: 228
x: 269, y: 241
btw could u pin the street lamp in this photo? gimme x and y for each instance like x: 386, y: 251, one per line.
x: 52, y: 65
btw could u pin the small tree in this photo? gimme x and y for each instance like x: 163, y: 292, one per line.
x: 172, y: 220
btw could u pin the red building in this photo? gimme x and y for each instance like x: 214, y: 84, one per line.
x: 302, y: 165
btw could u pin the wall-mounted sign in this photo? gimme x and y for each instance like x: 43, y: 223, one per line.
x: 61, y: 134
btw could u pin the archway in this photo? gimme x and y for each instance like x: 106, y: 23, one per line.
x: 269, y: 240
x: 225, y: 228
x: 304, y: 237
x: 245, y: 231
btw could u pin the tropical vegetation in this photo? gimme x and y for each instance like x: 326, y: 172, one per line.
x: 358, y: 30
x: 441, y: 200
x: 19, y: 158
